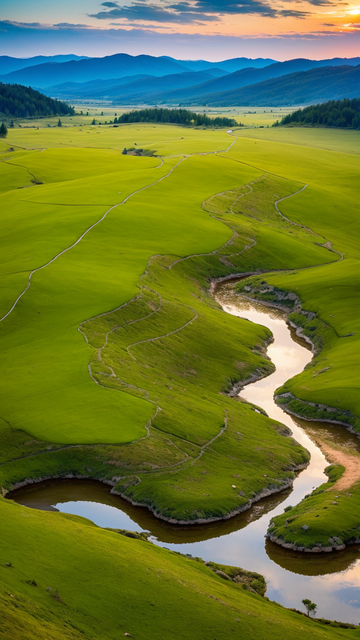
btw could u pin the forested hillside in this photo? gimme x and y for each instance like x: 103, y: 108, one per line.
x: 335, y: 113
x: 302, y: 88
x: 17, y: 101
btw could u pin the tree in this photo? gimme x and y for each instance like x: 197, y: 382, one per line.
x: 12, y: 124
x: 124, y: 152
x: 59, y: 124
x: 93, y: 121
x: 310, y: 607
x: 175, y: 116
x: 17, y: 101
x: 3, y: 130
x: 335, y: 113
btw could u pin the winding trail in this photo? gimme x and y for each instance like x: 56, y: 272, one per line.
x: 242, y: 195
x: 103, y: 218
x: 326, y: 245
x: 95, y: 224
x: 165, y: 335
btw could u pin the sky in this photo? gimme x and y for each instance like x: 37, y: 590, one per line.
x: 188, y: 29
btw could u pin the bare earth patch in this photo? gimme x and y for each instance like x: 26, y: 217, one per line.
x: 351, y: 464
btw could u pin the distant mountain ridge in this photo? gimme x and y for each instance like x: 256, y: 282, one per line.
x: 231, y: 65
x: 301, y: 88
x: 104, y: 88
x: 9, y: 64
x: 251, y: 76
x: 194, y: 88
x: 115, y: 66
x: 149, y: 80
x: 131, y: 88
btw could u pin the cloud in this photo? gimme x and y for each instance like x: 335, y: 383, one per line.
x: 323, y: 3
x: 68, y: 24
x: 26, y: 25
x: 292, y: 13
x: 198, y: 11
x: 145, y: 27
x: 223, y: 7
x: 190, y: 12
x: 38, y: 25
x: 29, y: 40
x: 152, y: 13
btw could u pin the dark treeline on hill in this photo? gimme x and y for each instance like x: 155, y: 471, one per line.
x: 175, y: 116
x: 335, y: 113
x: 17, y: 101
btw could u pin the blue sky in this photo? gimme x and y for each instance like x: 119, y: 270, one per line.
x: 212, y: 29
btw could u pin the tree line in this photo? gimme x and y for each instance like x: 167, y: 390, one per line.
x: 174, y: 116
x: 17, y: 101
x: 335, y: 113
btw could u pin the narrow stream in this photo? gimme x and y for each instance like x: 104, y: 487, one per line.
x: 330, y: 580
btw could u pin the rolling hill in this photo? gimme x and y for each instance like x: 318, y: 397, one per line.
x: 251, y: 76
x: 131, y: 88
x: 307, y: 87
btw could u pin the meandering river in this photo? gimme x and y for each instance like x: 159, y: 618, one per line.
x: 331, y: 580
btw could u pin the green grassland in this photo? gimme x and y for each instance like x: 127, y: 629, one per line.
x: 330, y: 293
x: 69, y: 580
x: 117, y: 362
x: 188, y: 368
x: 105, y: 112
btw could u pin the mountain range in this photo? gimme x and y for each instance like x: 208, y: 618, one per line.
x: 302, y: 88
x: 143, y: 79
x: 117, y: 66
x: 9, y: 64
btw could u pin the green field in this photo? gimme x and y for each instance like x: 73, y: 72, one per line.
x: 88, y: 582
x: 103, y: 112
x: 117, y: 361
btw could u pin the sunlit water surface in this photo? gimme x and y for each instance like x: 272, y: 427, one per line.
x: 330, y: 580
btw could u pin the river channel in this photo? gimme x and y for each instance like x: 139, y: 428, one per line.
x: 331, y: 580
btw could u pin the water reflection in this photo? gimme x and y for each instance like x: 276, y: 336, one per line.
x: 330, y: 580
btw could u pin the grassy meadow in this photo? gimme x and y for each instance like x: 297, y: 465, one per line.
x: 88, y: 582
x: 104, y: 112
x: 117, y: 362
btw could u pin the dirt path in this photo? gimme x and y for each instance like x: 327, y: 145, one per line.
x: 351, y: 464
